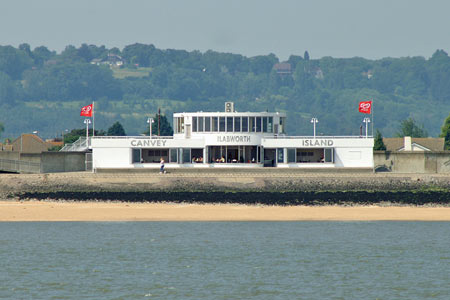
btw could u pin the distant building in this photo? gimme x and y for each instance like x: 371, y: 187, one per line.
x: 408, y: 143
x: 111, y: 60
x: 283, y: 68
x: 28, y: 143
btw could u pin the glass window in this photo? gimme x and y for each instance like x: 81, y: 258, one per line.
x: 207, y: 124
x: 136, y: 155
x: 291, y: 155
x: 270, y: 125
x: 180, y: 124
x: 258, y: 124
x: 244, y: 124
x: 252, y: 124
x: 329, y: 155
x: 173, y: 155
x: 200, y: 124
x: 229, y: 124
x: 264, y: 119
x: 222, y: 124
x: 282, y: 124
x: 280, y: 155
x: 237, y: 124
x: 194, y: 124
x: 215, y: 123
x: 186, y: 155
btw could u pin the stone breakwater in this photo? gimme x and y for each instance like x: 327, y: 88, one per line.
x: 270, y: 188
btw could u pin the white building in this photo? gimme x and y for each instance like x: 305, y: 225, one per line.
x: 231, y: 139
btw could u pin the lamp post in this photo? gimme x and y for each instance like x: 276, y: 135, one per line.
x: 150, y: 121
x: 367, y: 121
x: 87, y: 122
x: 314, y: 121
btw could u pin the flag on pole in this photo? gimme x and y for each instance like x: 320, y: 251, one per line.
x: 365, y: 107
x: 86, y: 111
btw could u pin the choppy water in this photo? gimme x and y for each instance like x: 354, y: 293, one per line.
x: 225, y: 260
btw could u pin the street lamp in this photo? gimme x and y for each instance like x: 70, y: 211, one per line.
x: 87, y: 122
x: 314, y: 121
x: 150, y: 121
x: 367, y: 121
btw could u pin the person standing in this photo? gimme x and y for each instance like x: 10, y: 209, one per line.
x: 161, y: 169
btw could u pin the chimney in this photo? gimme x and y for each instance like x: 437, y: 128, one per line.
x: 407, y: 143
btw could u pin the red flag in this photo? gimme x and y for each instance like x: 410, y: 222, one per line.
x: 365, y: 107
x: 86, y: 111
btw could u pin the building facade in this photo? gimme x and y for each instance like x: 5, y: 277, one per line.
x: 231, y: 139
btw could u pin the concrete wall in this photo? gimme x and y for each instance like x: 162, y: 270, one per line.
x: 412, y: 162
x: 52, y: 162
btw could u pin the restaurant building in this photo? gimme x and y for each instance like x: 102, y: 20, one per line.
x: 231, y: 139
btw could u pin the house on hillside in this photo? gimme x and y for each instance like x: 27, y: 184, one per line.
x: 408, y: 143
x: 283, y: 68
x: 111, y: 60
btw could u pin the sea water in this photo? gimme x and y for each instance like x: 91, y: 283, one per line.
x: 225, y: 260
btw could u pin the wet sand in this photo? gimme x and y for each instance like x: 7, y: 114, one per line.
x: 106, y: 211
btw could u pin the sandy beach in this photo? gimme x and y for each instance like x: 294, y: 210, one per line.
x: 106, y: 211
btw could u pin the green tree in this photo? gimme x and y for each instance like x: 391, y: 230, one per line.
x: 409, y: 127
x: 165, y: 129
x: 2, y: 128
x: 379, y: 145
x: 116, y: 130
x: 75, y: 134
x: 445, y: 133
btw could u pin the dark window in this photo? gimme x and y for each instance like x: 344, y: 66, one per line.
x: 215, y: 126
x: 136, y: 155
x: 200, y: 124
x: 207, y: 124
x: 270, y: 125
x: 222, y: 124
x: 229, y: 124
x: 258, y: 124
x: 237, y: 124
x: 186, y: 155
x: 328, y: 155
x: 244, y: 124
x: 280, y: 152
x: 173, y: 155
x: 194, y: 124
x: 291, y: 155
x: 264, y: 119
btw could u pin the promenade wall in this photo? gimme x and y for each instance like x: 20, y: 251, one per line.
x: 412, y: 162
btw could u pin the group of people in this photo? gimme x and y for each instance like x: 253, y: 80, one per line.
x: 197, y: 159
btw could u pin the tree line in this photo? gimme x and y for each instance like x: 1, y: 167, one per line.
x: 327, y: 88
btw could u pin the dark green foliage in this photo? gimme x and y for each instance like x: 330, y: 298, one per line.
x: 178, y: 80
x: 445, y: 133
x: 116, y: 130
x: 409, y: 127
x: 378, y: 143
x: 165, y: 129
x: 75, y: 134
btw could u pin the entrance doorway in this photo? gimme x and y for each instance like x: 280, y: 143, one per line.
x: 270, y: 157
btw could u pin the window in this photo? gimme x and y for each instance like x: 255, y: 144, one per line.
x: 258, y: 124
x: 207, y: 124
x: 222, y: 124
x: 194, y: 124
x: 237, y: 124
x: 173, y: 155
x: 215, y: 123
x: 264, y: 119
x: 291, y: 155
x: 244, y: 124
x: 229, y: 124
x: 180, y: 125
x: 280, y: 154
x: 270, y: 125
x: 187, y: 155
x: 252, y: 124
x: 200, y: 124
x: 136, y: 155
x: 329, y: 155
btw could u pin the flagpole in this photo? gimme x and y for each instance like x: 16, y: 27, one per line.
x: 372, y: 118
x: 93, y: 118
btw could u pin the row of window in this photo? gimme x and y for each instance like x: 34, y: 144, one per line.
x: 231, y: 124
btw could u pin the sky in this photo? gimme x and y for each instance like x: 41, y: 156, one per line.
x: 344, y: 28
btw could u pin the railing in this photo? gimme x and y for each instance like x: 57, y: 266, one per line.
x: 319, y: 137
x: 20, y: 166
x: 153, y: 137
x: 79, y: 145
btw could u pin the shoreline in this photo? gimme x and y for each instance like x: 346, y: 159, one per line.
x: 54, y: 211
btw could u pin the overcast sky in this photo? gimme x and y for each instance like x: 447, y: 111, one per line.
x: 344, y: 28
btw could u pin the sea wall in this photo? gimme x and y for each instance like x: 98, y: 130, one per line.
x: 248, y: 188
x: 412, y: 162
